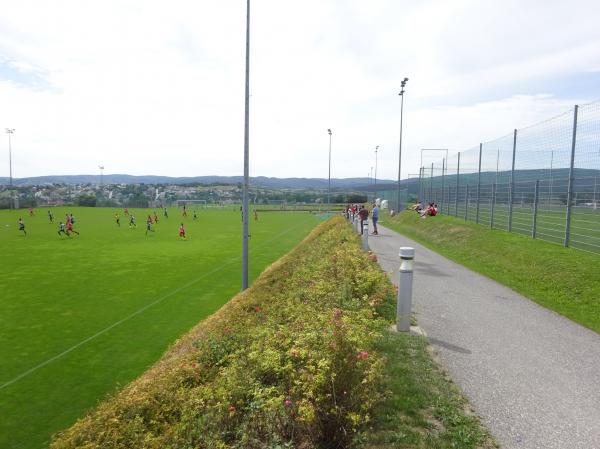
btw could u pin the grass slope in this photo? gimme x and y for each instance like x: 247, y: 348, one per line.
x: 562, y: 279
x: 109, y: 302
x: 302, y: 359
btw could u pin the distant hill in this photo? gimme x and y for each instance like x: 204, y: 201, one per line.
x: 262, y: 181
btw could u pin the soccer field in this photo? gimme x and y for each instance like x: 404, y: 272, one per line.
x: 80, y: 316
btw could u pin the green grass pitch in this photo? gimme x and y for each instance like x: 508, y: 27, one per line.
x: 80, y: 316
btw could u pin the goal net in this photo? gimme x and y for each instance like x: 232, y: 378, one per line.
x: 192, y: 203
x: 277, y: 204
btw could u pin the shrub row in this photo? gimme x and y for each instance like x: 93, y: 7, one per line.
x: 290, y: 362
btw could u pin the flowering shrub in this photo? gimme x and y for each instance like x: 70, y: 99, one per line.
x: 290, y: 362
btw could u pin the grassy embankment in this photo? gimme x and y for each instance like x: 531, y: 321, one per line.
x: 302, y: 359
x: 562, y: 279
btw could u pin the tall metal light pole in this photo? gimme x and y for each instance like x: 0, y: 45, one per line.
x: 375, y: 179
x: 329, y: 178
x: 10, y: 132
x: 246, y: 156
x: 402, y: 84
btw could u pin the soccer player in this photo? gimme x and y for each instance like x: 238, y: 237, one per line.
x: 72, y: 219
x: 165, y: 213
x: 61, y: 229
x: 182, y: 232
x: 155, y: 217
x: 126, y: 212
x: 22, y: 226
x: 70, y: 228
x: 184, y: 211
x: 132, y: 221
x: 118, y: 219
x: 149, y: 225
x: 31, y: 211
x: 195, y: 215
x: 255, y: 214
x: 50, y: 216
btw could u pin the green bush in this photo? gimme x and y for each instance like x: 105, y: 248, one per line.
x: 290, y: 362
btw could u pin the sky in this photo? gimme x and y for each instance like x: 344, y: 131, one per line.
x: 149, y: 87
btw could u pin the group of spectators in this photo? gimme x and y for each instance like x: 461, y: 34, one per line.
x: 431, y: 210
x: 354, y: 210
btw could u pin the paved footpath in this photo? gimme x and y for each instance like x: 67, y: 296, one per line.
x: 532, y: 375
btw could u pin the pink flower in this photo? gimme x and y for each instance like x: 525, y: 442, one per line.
x: 363, y: 355
x: 287, y: 403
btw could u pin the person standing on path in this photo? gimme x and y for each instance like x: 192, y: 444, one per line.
x: 363, y: 214
x: 375, y: 215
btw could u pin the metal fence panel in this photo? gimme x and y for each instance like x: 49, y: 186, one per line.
x: 542, y: 158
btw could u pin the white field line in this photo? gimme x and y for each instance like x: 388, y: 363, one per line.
x: 137, y: 312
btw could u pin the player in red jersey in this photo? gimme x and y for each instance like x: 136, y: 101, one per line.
x: 149, y: 225
x: 70, y: 228
x: 182, y: 232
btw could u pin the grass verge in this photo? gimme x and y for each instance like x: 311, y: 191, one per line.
x: 302, y: 359
x: 562, y: 279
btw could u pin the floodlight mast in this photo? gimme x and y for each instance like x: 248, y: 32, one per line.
x: 402, y: 85
x: 375, y: 179
x: 246, y: 156
x: 329, y: 177
x: 10, y: 132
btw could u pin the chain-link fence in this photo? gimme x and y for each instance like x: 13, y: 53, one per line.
x: 542, y: 181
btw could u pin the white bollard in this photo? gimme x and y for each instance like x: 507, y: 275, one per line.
x: 365, y: 236
x: 405, y: 282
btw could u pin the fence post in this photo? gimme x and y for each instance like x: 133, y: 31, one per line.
x: 478, y: 185
x: 431, y: 185
x: 467, y: 203
x: 512, y: 183
x: 420, y: 185
x: 570, y: 187
x: 493, y: 205
x: 441, y: 205
x: 457, y: 184
x: 535, y: 208
x: 405, y: 282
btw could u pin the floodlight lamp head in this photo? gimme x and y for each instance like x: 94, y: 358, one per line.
x: 329, y: 131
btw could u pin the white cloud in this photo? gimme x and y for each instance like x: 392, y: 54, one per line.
x: 157, y: 88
